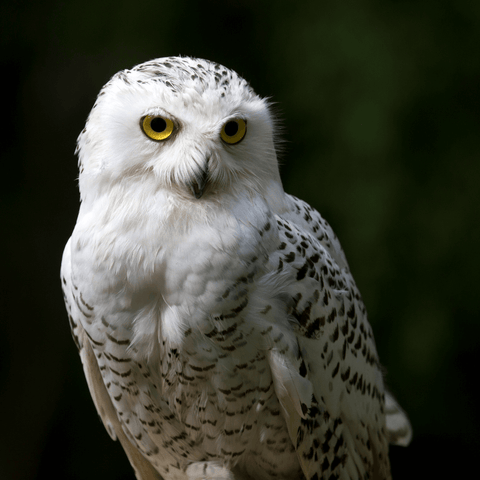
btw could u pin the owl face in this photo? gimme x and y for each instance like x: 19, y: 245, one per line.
x: 189, y: 126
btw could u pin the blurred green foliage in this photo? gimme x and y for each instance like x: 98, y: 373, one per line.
x: 380, y: 108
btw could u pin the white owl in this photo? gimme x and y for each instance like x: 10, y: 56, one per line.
x: 221, y: 332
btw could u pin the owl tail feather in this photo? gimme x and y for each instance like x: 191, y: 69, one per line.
x: 399, y: 429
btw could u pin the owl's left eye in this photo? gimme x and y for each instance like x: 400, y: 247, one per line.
x: 233, y: 131
x: 156, y: 127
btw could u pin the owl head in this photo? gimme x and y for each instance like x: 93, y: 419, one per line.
x: 188, y: 126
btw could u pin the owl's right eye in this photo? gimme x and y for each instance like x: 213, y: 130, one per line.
x: 156, y: 127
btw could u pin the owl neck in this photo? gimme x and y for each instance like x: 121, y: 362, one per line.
x: 138, y: 205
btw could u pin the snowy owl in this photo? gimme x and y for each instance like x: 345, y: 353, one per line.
x: 220, y: 329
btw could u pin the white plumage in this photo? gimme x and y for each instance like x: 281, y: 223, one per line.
x: 221, y: 332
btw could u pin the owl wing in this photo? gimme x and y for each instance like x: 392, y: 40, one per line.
x: 337, y: 426
x: 101, y: 398
x: 143, y: 469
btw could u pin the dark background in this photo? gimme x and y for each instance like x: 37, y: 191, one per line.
x: 380, y: 104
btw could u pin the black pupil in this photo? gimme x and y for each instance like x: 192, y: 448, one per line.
x: 231, y: 128
x: 158, y: 124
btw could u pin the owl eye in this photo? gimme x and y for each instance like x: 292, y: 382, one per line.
x: 234, y: 131
x: 157, y: 128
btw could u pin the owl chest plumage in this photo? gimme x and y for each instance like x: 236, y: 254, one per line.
x: 180, y: 334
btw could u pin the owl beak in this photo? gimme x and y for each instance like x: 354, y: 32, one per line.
x: 197, y: 186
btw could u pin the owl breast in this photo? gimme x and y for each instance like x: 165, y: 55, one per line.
x: 181, y: 334
x: 216, y: 332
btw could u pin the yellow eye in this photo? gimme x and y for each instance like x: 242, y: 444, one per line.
x: 157, y: 128
x: 234, y: 131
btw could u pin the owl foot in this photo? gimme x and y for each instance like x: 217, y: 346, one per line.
x: 208, y: 471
